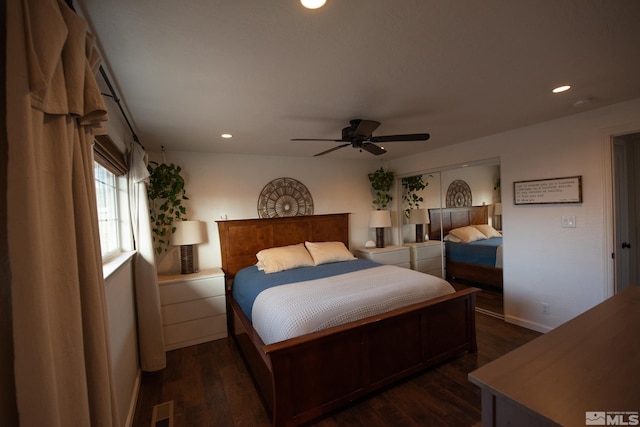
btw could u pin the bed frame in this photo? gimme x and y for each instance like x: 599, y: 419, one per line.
x: 442, y: 221
x: 303, y: 378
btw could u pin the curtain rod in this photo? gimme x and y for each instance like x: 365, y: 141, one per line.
x: 112, y: 95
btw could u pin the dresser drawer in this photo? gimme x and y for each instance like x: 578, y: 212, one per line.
x: 427, y: 264
x: 196, y: 309
x: 205, y: 287
x: 397, y: 255
x: 193, y: 332
x: 431, y: 266
x: 424, y: 252
x: 193, y: 307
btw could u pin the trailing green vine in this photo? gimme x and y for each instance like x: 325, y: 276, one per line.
x: 411, y: 185
x: 166, y: 192
x: 381, y: 183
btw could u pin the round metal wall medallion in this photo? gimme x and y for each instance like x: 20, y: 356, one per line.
x: 459, y: 194
x: 284, y: 197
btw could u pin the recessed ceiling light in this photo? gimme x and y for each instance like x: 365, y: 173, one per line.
x: 560, y: 89
x: 313, y: 4
x: 226, y: 135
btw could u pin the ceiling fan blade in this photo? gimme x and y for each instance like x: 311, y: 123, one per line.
x: 365, y: 127
x: 373, y: 149
x: 330, y: 150
x: 408, y: 137
x: 315, y: 139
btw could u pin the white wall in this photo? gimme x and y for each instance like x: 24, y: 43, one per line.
x: 569, y: 268
x: 123, y: 339
x: 228, y: 185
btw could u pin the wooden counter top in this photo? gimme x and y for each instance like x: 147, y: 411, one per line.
x: 591, y: 363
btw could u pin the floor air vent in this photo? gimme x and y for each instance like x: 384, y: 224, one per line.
x: 162, y: 415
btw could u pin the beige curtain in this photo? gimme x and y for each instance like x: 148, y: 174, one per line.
x: 150, y: 339
x: 62, y: 363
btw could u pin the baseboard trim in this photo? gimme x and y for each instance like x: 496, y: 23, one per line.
x: 490, y: 313
x: 538, y: 327
x: 134, y: 399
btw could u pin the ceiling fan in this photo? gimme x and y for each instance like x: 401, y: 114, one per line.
x: 359, y: 135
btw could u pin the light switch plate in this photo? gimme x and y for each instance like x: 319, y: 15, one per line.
x: 568, y: 222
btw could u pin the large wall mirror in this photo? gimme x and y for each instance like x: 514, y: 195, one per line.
x: 437, y: 201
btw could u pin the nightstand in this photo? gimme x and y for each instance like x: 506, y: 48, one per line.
x: 193, y: 308
x: 395, y: 255
x: 427, y: 257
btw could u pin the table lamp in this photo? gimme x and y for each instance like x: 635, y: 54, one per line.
x: 379, y: 220
x: 187, y: 234
x: 497, y: 213
x: 419, y: 217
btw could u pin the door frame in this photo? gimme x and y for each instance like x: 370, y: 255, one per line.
x: 608, y: 183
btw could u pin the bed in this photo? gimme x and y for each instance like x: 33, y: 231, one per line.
x: 479, y: 262
x: 302, y: 378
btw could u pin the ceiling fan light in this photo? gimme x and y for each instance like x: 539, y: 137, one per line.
x: 561, y: 89
x: 313, y: 4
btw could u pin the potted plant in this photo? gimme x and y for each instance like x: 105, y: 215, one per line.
x: 411, y: 185
x: 166, y: 192
x: 381, y: 183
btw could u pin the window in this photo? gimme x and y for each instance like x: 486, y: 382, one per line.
x: 108, y: 212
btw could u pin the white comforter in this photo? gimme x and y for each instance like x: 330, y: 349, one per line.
x: 295, y: 309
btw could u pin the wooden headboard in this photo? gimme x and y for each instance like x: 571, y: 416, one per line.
x: 242, y: 239
x: 446, y: 219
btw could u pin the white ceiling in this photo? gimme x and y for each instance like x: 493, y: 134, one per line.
x: 269, y: 71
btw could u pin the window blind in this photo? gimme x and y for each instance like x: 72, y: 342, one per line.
x: 106, y: 153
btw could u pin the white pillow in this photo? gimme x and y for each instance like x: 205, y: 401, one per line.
x: 468, y: 234
x: 487, y: 230
x: 452, y: 238
x: 282, y: 258
x: 325, y: 252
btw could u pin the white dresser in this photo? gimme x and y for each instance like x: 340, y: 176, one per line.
x: 427, y: 257
x: 395, y: 255
x: 193, y: 308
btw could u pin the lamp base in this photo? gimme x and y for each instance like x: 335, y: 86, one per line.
x: 379, y: 237
x: 186, y: 259
x: 419, y: 233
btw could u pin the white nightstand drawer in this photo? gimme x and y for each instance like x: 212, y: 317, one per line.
x: 196, y: 309
x: 192, y: 289
x: 398, y: 255
x: 193, y: 307
x: 424, y: 252
x: 427, y: 257
x: 195, y: 331
x: 427, y: 264
x: 431, y: 266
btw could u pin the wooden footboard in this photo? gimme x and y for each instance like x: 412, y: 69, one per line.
x: 480, y: 274
x: 302, y: 378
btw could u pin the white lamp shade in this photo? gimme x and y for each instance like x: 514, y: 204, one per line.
x: 379, y: 219
x: 497, y: 209
x: 188, y: 233
x: 418, y: 216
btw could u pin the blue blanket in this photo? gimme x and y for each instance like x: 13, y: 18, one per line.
x: 250, y: 281
x: 481, y: 252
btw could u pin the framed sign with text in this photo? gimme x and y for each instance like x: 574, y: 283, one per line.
x: 543, y: 191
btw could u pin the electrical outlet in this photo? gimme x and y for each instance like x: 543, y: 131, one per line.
x: 568, y: 222
x: 546, y: 308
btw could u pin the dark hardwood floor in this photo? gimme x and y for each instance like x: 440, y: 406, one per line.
x: 210, y: 386
x: 488, y: 301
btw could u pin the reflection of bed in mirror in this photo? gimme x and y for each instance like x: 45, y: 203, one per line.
x: 304, y: 377
x: 480, y: 261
